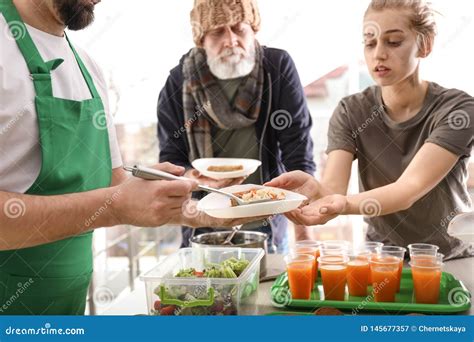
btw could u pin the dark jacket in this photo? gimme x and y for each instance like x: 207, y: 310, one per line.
x: 283, y: 127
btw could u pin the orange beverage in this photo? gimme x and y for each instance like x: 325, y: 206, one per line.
x: 384, y: 271
x: 317, y: 255
x: 426, y: 273
x: 421, y: 257
x: 314, y: 245
x: 333, y: 273
x: 398, y: 252
x: 300, y: 275
x: 358, y: 276
x: 399, y: 275
x: 373, y: 248
x: 309, y: 251
x: 372, y: 255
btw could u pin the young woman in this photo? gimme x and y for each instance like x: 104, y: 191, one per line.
x: 412, y: 139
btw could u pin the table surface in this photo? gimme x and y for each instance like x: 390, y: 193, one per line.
x: 134, y: 302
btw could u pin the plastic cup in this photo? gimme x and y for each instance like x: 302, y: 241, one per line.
x: 384, y: 271
x: 345, y: 243
x: 398, y: 252
x: 333, y: 273
x: 335, y: 247
x: 423, y: 249
x: 423, y: 258
x: 373, y: 247
x: 426, y: 273
x: 300, y: 275
x: 314, y: 246
x: 358, y: 269
x: 308, y: 251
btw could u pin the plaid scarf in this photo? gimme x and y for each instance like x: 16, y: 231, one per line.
x: 205, y: 103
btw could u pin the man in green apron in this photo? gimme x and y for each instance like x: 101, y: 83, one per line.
x: 46, y: 228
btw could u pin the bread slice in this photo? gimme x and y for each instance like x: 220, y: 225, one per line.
x: 225, y: 168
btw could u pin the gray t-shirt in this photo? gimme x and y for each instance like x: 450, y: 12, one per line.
x: 384, y: 149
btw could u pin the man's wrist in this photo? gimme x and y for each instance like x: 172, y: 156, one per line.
x: 111, y: 199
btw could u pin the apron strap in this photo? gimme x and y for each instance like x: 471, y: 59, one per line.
x: 39, y: 70
x: 85, y: 73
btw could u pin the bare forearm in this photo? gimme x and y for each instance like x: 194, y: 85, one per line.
x: 381, y: 201
x: 27, y: 221
x: 337, y: 173
x: 415, y: 182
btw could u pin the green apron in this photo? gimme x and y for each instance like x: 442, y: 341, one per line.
x: 53, y: 278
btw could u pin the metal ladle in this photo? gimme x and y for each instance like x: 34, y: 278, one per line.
x: 228, y: 240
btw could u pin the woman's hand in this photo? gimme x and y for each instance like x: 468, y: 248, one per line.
x: 297, y: 181
x: 320, y: 211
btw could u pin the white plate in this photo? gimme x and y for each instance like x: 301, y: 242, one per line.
x: 219, y: 206
x: 250, y: 166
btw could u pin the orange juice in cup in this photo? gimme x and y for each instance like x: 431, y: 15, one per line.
x: 333, y: 273
x: 309, y: 251
x: 358, y: 274
x: 300, y: 275
x: 422, y: 257
x: 398, y: 252
x: 373, y: 247
x: 314, y: 246
x: 384, y: 271
x: 426, y: 273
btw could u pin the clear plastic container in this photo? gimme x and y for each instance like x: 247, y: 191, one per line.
x: 461, y: 227
x: 169, y: 295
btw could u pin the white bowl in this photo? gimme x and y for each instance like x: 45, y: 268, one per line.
x: 250, y: 166
x: 219, y: 206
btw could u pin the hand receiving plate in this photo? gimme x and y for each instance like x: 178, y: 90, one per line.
x: 219, y: 206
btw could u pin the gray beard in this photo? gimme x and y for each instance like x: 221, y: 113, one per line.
x: 230, y: 70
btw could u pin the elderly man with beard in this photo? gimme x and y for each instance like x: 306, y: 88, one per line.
x: 231, y: 97
x: 61, y: 174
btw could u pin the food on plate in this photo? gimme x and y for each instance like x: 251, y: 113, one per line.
x: 258, y: 195
x: 225, y: 168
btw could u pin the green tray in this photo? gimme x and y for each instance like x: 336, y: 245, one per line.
x: 454, y: 297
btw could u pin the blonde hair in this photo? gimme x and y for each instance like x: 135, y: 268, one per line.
x: 422, y: 18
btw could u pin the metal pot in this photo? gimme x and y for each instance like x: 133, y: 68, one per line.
x: 245, y: 239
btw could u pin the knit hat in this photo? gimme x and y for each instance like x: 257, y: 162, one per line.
x: 211, y: 14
